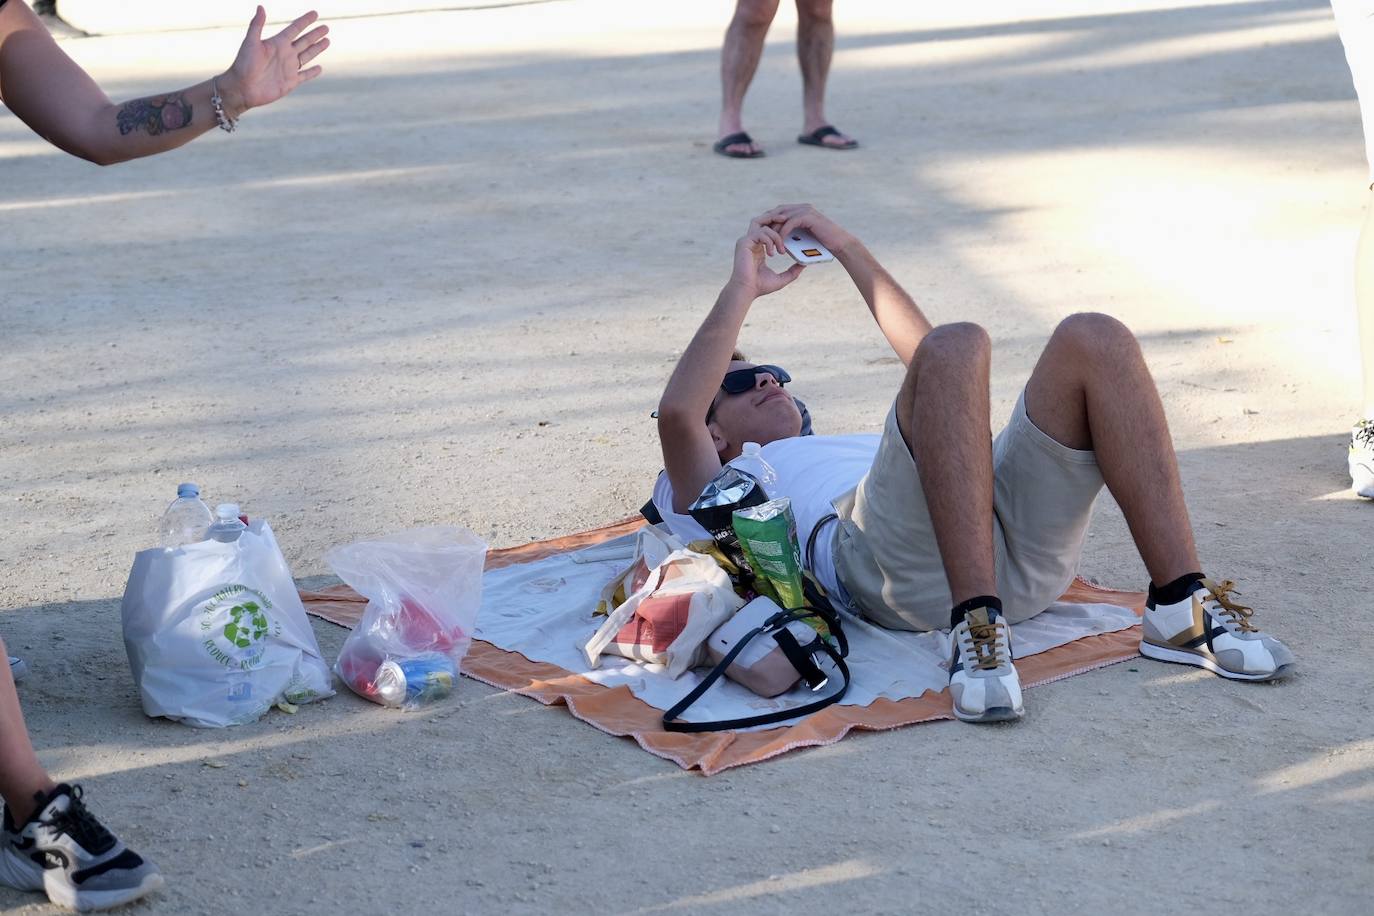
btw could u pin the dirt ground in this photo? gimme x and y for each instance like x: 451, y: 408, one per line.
x: 445, y: 283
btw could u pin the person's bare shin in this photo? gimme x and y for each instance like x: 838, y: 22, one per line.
x: 815, y: 48
x: 943, y: 412
x: 1091, y: 390
x: 1364, y: 304
x: 21, y: 775
x: 739, y: 59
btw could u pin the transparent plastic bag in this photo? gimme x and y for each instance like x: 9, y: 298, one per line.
x: 424, y: 588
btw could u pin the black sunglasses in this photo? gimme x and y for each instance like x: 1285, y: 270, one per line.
x: 742, y: 380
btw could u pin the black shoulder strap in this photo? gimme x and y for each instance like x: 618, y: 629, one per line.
x: 812, y: 673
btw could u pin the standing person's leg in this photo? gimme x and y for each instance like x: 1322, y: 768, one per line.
x: 815, y: 48
x: 1091, y: 390
x: 21, y: 775
x: 1355, y: 21
x: 1361, y: 454
x: 50, y: 842
x: 739, y: 60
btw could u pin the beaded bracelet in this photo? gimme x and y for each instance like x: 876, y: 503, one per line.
x: 226, y: 123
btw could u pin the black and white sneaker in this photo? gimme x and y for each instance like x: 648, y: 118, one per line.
x: 19, y: 669
x: 65, y: 852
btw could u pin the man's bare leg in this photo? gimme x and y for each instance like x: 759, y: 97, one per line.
x: 943, y: 412
x: 815, y: 48
x: 1364, y: 303
x: 739, y: 60
x: 1092, y: 390
x: 1361, y: 460
x: 21, y: 775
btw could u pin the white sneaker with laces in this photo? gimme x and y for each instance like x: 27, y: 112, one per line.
x: 65, y: 852
x: 982, y: 679
x: 1207, y: 629
x: 19, y: 669
x: 1360, y: 460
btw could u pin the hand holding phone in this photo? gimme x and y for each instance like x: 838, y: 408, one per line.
x: 805, y: 249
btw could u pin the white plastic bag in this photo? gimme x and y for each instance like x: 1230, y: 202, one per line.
x: 216, y: 633
x: 667, y: 620
x: 424, y: 588
x: 653, y: 543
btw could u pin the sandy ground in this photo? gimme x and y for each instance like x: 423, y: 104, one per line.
x: 444, y: 284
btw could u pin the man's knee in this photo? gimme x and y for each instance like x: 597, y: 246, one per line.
x: 961, y: 341
x: 1093, y: 335
x: 756, y: 14
x: 814, y: 10
x: 961, y: 349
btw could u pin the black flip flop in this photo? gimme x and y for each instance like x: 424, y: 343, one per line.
x: 817, y: 138
x: 736, y: 140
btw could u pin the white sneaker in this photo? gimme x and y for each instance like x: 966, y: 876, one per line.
x: 19, y: 669
x: 1210, y: 631
x: 982, y: 679
x: 1360, y: 460
x: 65, y: 852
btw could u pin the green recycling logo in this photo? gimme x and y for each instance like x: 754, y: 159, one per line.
x: 247, y: 624
x: 237, y: 622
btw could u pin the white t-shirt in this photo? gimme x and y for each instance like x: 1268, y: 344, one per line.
x: 812, y: 471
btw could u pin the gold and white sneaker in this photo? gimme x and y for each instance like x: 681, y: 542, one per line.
x: 1209, y: 630
x: 983, y: 683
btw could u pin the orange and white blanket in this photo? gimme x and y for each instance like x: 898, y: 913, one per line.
x: 537, y: 612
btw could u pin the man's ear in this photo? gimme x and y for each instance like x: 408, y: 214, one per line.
x: 717, y: 440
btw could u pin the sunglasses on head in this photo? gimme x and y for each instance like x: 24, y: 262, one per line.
x: 742, y: 380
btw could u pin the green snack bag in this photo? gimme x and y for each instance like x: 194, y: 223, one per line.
x: 768, y: 534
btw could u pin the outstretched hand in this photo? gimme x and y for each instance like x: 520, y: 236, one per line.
x: 751, y: 253
x: 266, y: 70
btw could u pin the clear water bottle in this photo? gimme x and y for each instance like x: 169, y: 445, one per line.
x: 227, y: 526
x: 751, y: 461
x: 186, y: 519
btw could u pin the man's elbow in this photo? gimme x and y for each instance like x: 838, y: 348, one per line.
x: 101, y: 156
x: 94, y: 153
x: 672, y: 414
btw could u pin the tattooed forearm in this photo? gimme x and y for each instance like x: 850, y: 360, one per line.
x: 155, y: 115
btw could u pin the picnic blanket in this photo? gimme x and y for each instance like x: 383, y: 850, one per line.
x: 536, y: 613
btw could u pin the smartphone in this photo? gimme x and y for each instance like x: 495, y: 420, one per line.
x: 804, y: 248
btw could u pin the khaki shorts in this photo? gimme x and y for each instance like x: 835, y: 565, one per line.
x: 886, y: 556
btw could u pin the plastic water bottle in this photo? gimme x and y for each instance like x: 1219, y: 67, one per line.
x: 227, y: 526
x: 751, y: 461
x: 186, y: 519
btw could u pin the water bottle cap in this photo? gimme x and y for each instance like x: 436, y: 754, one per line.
x: 187, y: 489
x: 227, y: 510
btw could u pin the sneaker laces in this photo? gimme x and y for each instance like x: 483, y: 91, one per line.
x: 1363, y: 433
x: 1221, y: 596
x: 983, y: 645
x: 80, y: 824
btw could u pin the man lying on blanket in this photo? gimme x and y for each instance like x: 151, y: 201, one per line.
x: 939, y: 524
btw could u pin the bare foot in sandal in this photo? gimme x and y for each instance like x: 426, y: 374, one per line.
x: 829, y: 137
x: 738, y: 145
